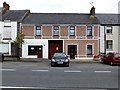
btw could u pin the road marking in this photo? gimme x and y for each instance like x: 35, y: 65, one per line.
x: 15, y: 87
x: 40, y: 70
x: 41, y: 88
x: 7, y: 69
x: 102, y: 71
x: 72, y: 71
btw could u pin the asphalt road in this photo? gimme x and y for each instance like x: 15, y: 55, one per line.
x: 41, y: 76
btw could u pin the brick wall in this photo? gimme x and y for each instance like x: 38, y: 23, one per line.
x: 29, y: 32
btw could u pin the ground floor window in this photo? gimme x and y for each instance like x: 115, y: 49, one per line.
x: 89, y: 50
x: 34, y: 50
x: 109, y: 44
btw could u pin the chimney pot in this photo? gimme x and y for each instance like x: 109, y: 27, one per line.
x: 92, y: 11
x: 6, y: 6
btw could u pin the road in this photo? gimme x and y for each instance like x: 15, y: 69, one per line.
x: 41, y: 76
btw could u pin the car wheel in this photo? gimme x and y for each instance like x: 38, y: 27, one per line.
x: 102, y: 61
x: 111, y: 63
x: 67, y: 65
x: 52, y: 64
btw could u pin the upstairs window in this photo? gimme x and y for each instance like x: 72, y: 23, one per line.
x: 72, y: 30
x: 38, y: 30
x: 109, y: 29
x: 56, y: 30
x: 89, y: 30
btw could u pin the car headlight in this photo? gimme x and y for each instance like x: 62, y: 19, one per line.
x: 53, y: 60
x: 66, y: 60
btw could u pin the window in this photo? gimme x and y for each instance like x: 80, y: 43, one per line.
x: 109, y: 29
x: 38, y: 30
x: 56, y: 30
x: 72, y: 30
x: 7, y: 33
x: 89, y: 49
x: 109, y: 44
x: 89, y: 30
x: 32, y: 50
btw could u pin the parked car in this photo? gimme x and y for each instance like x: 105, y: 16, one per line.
x: 97, y: 57
x: 59, y: 59
x: 111, y: 58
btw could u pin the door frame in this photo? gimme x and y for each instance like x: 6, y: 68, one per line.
x: 71, y: 44
x: 53, y: 41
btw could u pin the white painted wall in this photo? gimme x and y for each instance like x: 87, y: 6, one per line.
x: 1, y: 30
x: 34, y: 42
x: 13, y: 35
x: 114, y: 37
x: 102, y: 43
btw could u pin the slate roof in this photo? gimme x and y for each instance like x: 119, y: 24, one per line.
x: 60, y: 18
x: 71, y: 18
x: 109, y: 18
x: 15, y: 15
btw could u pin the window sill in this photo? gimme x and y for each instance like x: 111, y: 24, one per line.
x: 55, y: 35
x: 37, y: 35
x: 89, y: 36
x: 72, y: 35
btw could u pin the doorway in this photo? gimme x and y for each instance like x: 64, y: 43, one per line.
x: 72, y: 51
x: 55, y: 46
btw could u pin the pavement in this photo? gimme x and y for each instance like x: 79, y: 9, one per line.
x: 48, y: 60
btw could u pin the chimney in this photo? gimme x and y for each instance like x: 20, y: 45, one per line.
x: 92, y: 11
x: 6, y: 6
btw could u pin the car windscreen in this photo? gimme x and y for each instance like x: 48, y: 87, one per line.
x: 117, y: 55
x: 62, y: 55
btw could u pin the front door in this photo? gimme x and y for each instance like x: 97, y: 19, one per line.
x: 55, y: 46
x: 39, y: 51
x: 72, y: 50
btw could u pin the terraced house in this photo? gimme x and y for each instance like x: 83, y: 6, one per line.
x: 76, y: 34
x: 10, y: 24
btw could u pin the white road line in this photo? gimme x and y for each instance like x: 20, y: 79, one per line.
x: 72, y: 71
x: 15, y: 87
x: 102, y: 71
x: 40, y: 70
x: 7, y: 69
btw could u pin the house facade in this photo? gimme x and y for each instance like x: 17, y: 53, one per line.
x: 77, y: 35
x: 109, y: 33
x: 9, y: 28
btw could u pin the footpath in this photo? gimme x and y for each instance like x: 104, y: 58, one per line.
x: 48, y: 60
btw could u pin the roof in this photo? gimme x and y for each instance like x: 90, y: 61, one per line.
x: 60, y: 18
x: 15, y: 15
x: 109, y: 18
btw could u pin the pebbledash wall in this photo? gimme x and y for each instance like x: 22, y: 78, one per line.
x: 80, y: 40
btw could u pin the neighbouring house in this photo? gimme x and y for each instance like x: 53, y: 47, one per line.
x: 76, y: 34
x: 9, y: 28
x: 109, y: 32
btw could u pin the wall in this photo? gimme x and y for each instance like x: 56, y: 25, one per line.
x: 102, y: 39
x: 34, y: 42
x: 80, y: 39
x: 114, y: 37
x: 13, y: 33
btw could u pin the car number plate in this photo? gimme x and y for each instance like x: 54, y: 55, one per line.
x: 60, y: 62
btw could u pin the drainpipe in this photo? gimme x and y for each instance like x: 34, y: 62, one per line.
x: 104, y: 40
x: 9, y: 47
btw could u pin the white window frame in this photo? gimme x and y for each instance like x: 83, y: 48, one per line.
x: 92, y: 48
